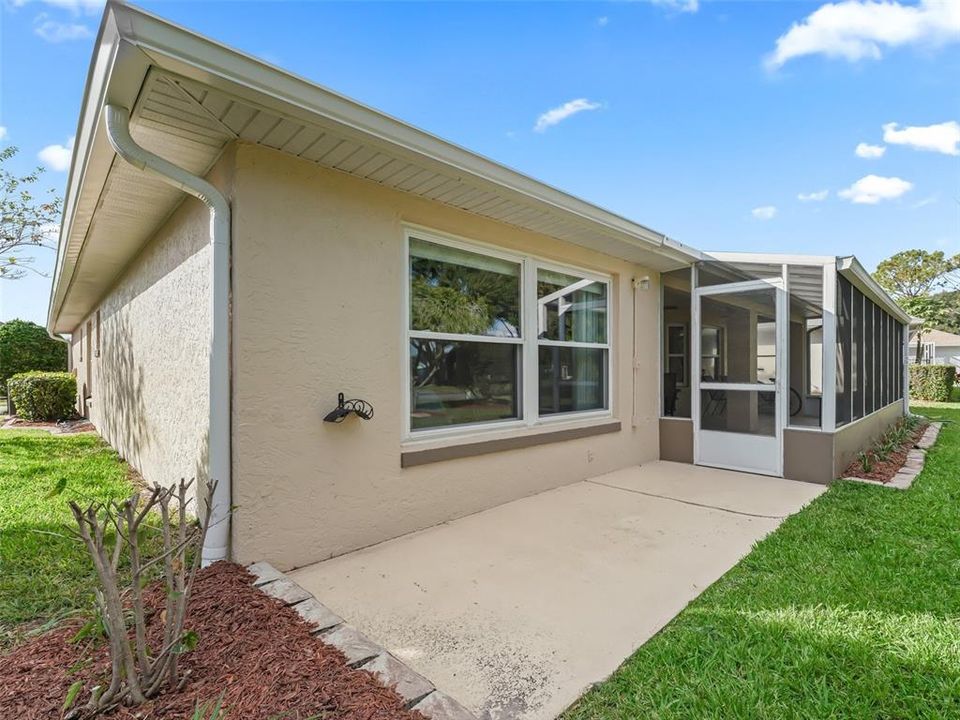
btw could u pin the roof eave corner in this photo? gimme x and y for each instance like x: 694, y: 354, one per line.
x: 116, y: 73
x: 851, y: 264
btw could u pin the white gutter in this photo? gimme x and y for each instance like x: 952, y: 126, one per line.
x: 118, y: 132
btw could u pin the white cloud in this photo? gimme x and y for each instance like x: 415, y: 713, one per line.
x: 818, y: 196
x: 686, y: 6
x: 559, y: 114
x: 871, y: 189
x: 857, y: 29
x: 866, y: 150
x: 943, y: 138
x: 54, y: 31
x: 3, y: 132
x: 765, y: 212
x: 57, y: 157
x: 603, y: 21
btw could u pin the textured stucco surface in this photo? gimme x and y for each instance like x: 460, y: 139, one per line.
x: 857, y: 436
x: 318, y: 286
x: 149, y: 385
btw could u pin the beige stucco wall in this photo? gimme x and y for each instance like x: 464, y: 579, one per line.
x: 676, y: 439
x: 148, y: 387
x: 821, y: 457
x: 318, y: 286
x: 808, y: 456
x: 851, y: 439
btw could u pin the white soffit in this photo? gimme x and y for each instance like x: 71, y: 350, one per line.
x: 106, y: 236
x: 199, y: 96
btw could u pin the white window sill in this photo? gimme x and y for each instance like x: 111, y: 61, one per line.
x: 450, y: 447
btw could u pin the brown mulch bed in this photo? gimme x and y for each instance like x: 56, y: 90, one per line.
x: 64, y: 427
x: 884, y: 470
x: 251, y: 648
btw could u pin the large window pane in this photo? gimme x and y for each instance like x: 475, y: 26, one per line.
x: 570, y: 308
x: 742, y: 411
x: 455, y: 383
x: 456, y: 291
x: 572, y: 379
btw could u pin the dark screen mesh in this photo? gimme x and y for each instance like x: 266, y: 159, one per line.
x: 844, y: 335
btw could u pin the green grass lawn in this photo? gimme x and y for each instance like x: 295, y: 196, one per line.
x: 851, y: 609
x: 44, y: 573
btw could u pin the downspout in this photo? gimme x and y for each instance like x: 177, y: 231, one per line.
x: 118, y: 132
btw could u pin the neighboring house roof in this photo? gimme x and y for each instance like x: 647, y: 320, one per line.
x: 940, y: 338
x: 190, y: 97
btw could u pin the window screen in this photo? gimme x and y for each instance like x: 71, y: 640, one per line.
x: 877, y: 357
x: 856, y: 356
x: 897, y: 340
x: 844, y: 334
x: 874, y: 373
x: 868, y: 371
x: 887, y: 361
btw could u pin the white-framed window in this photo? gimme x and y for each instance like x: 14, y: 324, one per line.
x: 676, y: 353
x: 711, y: 352
x: 496, y: 339
x: 814, y: 335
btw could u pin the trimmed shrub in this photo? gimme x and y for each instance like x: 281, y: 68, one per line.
x: 933, y: 383
x: 25, y: 346
x: 42, y: 396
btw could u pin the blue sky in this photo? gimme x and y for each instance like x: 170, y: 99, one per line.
x: 705, y: 121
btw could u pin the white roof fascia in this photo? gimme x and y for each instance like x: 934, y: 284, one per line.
x: 115, y: 75
x: 131, y: 40
x: 771, y: 258
x: 199, y: 58
x: 853, y: 271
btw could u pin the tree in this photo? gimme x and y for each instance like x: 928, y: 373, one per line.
x: 951, y: 304
x: 25, y: 346
x: 26, y: 222
x: 918, y: 279
x: 117, y: 530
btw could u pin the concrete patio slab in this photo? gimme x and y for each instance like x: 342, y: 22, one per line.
x: 725, y: 489
x: 515, y: 611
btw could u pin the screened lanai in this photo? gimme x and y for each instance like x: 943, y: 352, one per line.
x: 781, y: 365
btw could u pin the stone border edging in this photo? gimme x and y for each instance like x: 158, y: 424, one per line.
x: 361, y: 652
x: 916, y: 456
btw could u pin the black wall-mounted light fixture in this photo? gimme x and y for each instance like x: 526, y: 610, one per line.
x: 361, y: 408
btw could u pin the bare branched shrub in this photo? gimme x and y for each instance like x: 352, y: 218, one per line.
x: 139, y: 672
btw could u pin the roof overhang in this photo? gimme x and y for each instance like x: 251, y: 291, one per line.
x: 190, y: 97
x: 849, y: 267
x: 853, y: 271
